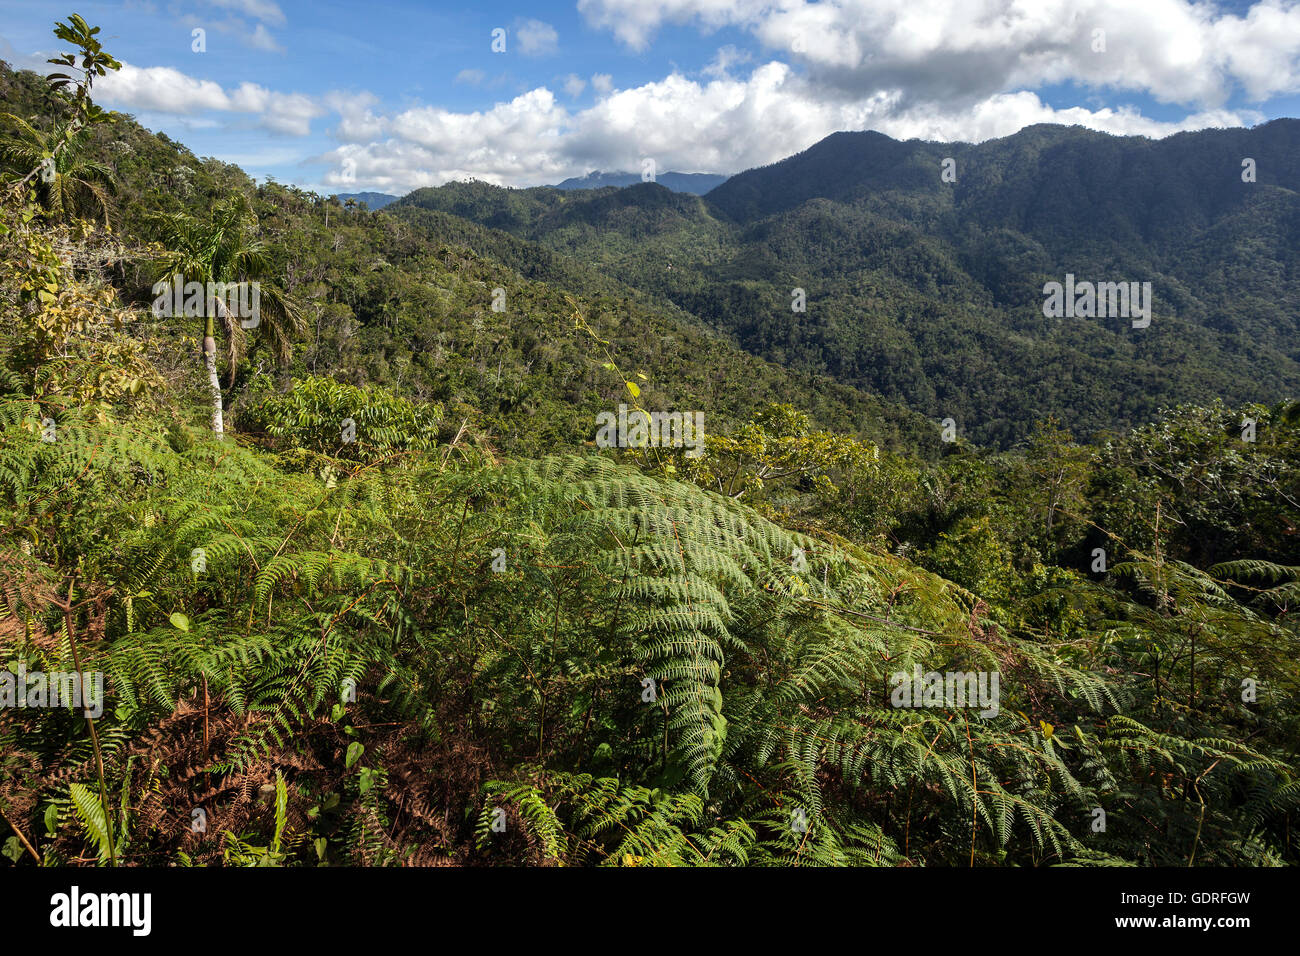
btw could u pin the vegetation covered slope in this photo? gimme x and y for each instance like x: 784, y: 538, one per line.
x: 357, y: 629
x: 930, y: 292
x: 412, y: 307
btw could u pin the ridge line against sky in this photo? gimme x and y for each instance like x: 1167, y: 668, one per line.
x: 393, y: 95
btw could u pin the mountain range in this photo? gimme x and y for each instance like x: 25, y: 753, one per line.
x: 695, y: 183
x: 923, y: 266
x: 374, y: 201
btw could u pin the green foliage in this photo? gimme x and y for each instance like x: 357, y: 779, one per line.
x: 460, y: 635
x: 223, y: 250
x: 314, y: 415
x: 73, y: 184
x: 930, y: 294
x: 90, y: 812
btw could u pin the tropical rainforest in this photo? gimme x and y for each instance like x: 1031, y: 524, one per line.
x: 365, y: 589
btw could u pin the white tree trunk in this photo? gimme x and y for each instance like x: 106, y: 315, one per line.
x: 210, y: 362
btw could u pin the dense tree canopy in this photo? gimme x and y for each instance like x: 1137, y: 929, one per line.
x: 929, y: 291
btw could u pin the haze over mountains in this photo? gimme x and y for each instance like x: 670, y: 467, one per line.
x: 374, y: 201
x: 695, y: 183
x: 931, y: 292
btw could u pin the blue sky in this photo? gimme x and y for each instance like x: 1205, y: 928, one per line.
x: 391, y: 95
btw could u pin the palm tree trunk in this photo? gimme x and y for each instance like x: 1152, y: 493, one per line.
x: 210, y: 363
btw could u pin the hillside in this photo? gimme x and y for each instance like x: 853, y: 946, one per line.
x: 393, y: 304
x: 930, y: 293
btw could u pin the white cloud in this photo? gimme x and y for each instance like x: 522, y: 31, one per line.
x: 1008, y: 113
x: 1259, y: 50
x: 163, y: 89
x: 160, y: 88
x: 574, y: 85
x: 602, y: 83
x: 967, y: 50
x: 357, y: 121
x: 536, y: 38
x: 470, y: 77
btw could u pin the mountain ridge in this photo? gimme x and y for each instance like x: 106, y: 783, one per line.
x: 374, y: 201
x: 930, y: 292
x: 695, y: 183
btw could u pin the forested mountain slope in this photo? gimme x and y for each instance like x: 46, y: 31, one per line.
x: 411, y: 306
x: 930, y: 292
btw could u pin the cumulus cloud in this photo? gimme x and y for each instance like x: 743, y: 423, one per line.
x: 574, y: 85
x: 1008, y: 113
x: 165, y: 90
x: 964, y: 51
x: 357, y: 121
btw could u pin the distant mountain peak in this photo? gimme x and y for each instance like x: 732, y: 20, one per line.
x: 373, y: 201
x: 696, y: 183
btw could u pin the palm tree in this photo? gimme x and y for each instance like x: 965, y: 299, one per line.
x: 70, y: 184
x: 331, y: 203
x: 224, y: 250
